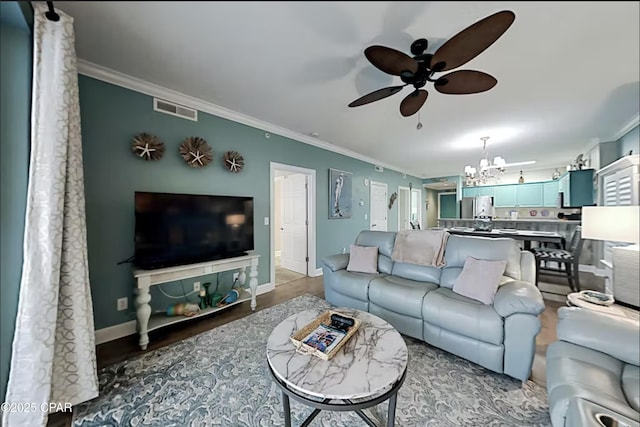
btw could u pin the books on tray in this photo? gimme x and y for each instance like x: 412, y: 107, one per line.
x: 324, y: 338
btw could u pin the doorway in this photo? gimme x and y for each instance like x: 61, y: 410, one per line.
x: 404, y: 208
x: 292, y: 231
x: 378, y: 206
x: 409, y: 208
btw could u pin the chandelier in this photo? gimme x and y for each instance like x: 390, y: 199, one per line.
x: 487, y: 169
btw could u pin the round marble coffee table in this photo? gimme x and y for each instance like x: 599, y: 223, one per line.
x: 367, y: 370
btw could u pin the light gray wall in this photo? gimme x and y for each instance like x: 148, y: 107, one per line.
x: 629, y: 142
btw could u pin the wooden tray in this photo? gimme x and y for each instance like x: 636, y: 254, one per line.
x: 325, y: 318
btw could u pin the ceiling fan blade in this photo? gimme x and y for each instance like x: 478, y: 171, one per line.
x: 389, y: 60
x: 464, y: 82
x: 471, y: 41
x: 413, y: 102
x: 376, y: 95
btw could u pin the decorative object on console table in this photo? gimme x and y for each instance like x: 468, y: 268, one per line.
x: 340, y: 194
x: 618, y: 224
x: 196, y: 152
x: 145, y: 279
x: 147, y: 146
x: 233, y: 161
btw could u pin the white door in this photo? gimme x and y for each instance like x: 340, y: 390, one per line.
x: 294, y: 223
x: 378, y: 206
x: 404, y: 209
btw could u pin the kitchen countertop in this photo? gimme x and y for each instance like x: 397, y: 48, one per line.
x: 516, y: 220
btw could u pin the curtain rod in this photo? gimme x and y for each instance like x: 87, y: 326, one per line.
x: 51, y: 14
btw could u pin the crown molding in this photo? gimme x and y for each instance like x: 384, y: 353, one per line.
x: 635, y: 120
x: 117, y: 78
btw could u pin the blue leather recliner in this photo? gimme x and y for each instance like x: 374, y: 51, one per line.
x: 593, y: 370
x: 419, y: 301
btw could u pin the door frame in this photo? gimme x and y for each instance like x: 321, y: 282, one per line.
x: 440, y: 202
x: 311, y: 218
x: 371, y: 183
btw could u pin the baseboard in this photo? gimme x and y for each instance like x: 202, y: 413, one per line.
x: 121, y: 330
x: 316, y: 273
x: 114, y: 332
x: 264, y: 288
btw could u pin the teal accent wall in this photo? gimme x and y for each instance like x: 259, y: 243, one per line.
x: 630, y: 141
x: 112, y: 115
x: 448, y: 204
x: 15, y: 110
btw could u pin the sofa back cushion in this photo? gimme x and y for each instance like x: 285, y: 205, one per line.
x: 486, y: 248
x: 416, y: 272
x: 384, y: 241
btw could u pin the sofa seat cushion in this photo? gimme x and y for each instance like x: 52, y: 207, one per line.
x: 574, y: 371
x: 462, y: 315
x: 354, y: 285
x: 631, y: 385
x: 400, y: 295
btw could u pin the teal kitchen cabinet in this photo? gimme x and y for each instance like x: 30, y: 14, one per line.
x: 529, y: 195
x: 488, y: 190
x: 470, y: 191
x: 506, y: 196
x: 577, y: 188
x: 550, y: 194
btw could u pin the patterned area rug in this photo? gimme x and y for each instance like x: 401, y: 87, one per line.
x: 220, y: 378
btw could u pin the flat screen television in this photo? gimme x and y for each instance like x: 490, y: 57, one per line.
x: 178, y: 229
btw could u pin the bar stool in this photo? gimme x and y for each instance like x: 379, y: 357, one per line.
x: 569, y: 258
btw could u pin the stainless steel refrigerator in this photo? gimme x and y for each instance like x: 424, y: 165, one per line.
x: 472, y: 207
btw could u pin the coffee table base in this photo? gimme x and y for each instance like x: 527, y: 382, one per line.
x: 390, y: 395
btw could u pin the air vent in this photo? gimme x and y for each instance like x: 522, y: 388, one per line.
x: 174, y: 109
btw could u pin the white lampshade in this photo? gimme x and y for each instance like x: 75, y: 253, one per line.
x: 612, y: 223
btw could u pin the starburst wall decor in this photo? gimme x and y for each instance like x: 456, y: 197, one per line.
x: 233, y: 161
x: 196, y: 152
x: 147, y: 146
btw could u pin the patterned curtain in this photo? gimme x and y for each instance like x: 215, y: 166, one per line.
x: 53, y: 357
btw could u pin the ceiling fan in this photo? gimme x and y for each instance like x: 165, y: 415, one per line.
x: 420, y: 69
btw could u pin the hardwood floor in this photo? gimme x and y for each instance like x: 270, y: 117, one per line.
x: 127, y: 347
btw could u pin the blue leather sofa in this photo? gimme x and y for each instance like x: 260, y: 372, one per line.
x: 419, y: 301
x: 593, y: 369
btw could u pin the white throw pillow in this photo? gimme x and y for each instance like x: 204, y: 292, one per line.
x: 363, y: 259
x: 480, y: 279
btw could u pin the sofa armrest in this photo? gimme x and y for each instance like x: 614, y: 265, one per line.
x: 616, y: 336
x: 336, y: 262
x: 528, y: 267
x: 518, y: 297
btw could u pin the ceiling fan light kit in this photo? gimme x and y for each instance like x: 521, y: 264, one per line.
x: 421, y: 69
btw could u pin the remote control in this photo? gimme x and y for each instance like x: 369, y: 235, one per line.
x: 341, y: 322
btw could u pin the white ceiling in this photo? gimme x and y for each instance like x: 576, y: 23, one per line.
x: 568, y: 72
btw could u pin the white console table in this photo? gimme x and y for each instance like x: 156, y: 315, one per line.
x: 147, y: 278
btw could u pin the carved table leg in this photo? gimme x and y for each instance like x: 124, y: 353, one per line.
x: 143, y: 311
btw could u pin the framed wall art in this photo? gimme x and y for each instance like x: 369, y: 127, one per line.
x: 340, y: 194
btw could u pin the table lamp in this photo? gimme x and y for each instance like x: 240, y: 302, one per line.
x: 618, y: 224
